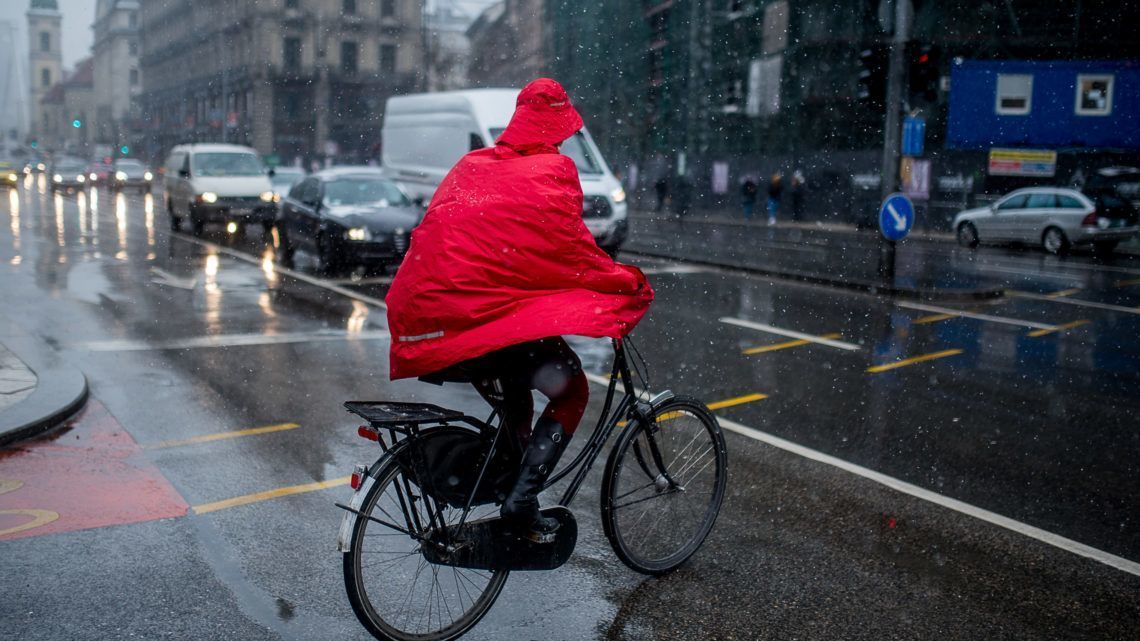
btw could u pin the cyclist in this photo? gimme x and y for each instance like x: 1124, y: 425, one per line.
x: 502, y: 267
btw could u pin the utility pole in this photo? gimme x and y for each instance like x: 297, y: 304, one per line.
x: 891, y: 129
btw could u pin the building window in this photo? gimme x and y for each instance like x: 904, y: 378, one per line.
x: 292, y: 4
x: 133, y: 19
x: 388, y: 58
x: 291, y: 57
x: 134, y: 47
x: 45, y: 41
x: 348, y: 52
x: 387, y: 8
x: 1094, y: 95
x: 348, y: 7
x: 1014, y: 94
x: 45, y: 77
x: 134, y: 77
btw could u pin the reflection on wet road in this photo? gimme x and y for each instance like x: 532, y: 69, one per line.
x: 228, y: 372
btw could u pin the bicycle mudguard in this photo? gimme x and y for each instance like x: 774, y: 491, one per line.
x: 494, y: 544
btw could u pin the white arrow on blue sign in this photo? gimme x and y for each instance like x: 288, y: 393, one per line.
x: 896, y: 217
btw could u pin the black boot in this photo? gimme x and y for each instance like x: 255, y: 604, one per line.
x: 547, y: 442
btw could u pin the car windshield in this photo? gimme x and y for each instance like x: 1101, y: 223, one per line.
x: 286, y: 177
x: 227, y: 164
x: 576, y: 148
x: 69, y: 166
x: 128, y: 163
x: 364, y: 191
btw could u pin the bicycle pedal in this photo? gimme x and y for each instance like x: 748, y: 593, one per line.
x: 541, y: 537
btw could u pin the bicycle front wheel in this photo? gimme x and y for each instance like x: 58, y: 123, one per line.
x: 395, y: 592
x: 663, y: 486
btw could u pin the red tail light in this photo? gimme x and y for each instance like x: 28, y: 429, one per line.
x: 358, y: 474
x: 368, y: 432
x: 1090, y: 220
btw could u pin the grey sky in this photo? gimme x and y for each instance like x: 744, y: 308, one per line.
x: 77, y: 18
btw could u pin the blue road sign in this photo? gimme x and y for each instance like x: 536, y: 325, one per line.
x: 914, y: 134
x: 896, y: 217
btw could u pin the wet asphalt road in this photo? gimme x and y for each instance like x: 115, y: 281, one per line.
x: 1033, y: 420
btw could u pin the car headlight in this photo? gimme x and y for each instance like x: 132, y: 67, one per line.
x: 81, y: 178
x: 148, y: 176
x: 93, y: 176
x: 57, y: 178
x: 13, y: 177
x: 618, y: 195
x: 359, y: 233
x: 120, y: 175
x: 41, y: 167
x: 209, y: 197
x: 267, y: 196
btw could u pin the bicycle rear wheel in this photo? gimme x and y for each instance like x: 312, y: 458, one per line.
x: 396, y: 593
x: 663, y: 486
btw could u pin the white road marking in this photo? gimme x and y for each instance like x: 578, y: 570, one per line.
x: 1075, y: 301
x: 675, y: 269
x: 790, y: 333
x: 367, y: 300
x: 1024, y: 529
x: 166, y: 278
x: 229, y: 340
x: 983, y: 317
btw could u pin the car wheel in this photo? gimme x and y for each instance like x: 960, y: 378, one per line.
x: 967, y: 235
x: 198, y: 226
x: 1054, y: 241
x: 284, y: 249
x: 175, y: 221
x: 326, y: 255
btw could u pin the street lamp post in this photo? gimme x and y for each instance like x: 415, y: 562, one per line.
x: 891, y: 127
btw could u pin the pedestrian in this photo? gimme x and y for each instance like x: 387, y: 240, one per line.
x: 662, y: 189
x: 798, y: 184
x: 748, y: 193
x: 775, y: 187
x: 461, y: 310
x: 682, y: 195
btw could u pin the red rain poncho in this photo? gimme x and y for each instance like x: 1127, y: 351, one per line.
x: 503, y: 257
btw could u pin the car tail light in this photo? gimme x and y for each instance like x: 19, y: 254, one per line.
x: 368, y: 432
x: 1090, y: 220
x: 359, y: 473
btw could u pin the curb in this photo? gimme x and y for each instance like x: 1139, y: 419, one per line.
x: 61, y: 391
x: 857, y: 285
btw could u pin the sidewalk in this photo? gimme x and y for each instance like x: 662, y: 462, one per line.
x: 830, y: 254
x: 37, y: 390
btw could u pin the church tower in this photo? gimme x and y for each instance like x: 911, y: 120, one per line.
x: 45, y: 62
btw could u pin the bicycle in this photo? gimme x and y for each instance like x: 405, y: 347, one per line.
x: 425, y: 556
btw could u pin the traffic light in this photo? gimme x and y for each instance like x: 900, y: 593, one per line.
x: 873, y: 62
x: 124, y: 150
x: 923, y: 74
x: 77, y: 123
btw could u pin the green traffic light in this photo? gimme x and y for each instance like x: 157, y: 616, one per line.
x: 77, y: 123
x: 124, y: 150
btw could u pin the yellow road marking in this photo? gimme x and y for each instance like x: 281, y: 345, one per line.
x: 1057, y: 328
x: 270, y: 494
x: 1127, y: 283
x: 785, y: 345
x: 911, y: 361
x: 39, y: 518
x: 206, y: 438
x: 728, y: 402
x: 933, y: 318
x: 1063, y: 293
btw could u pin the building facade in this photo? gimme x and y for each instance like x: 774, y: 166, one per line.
x: 68, y: 109
x: 45, y: 58
x: 295, y: 79
x: 509, y: 44
x: 117, y: 76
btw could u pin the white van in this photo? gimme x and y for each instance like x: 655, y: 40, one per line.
x: 218, y: 183
x: 425, y: 134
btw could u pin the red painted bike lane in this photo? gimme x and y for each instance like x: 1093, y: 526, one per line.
x: 90, y: 475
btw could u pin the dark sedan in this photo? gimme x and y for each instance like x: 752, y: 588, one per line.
x: 346, y: 216
x: 129, y: 173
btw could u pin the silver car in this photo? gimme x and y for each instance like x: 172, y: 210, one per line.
x: 1055, y: 218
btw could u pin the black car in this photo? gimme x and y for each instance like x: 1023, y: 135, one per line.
x: 346, y: 216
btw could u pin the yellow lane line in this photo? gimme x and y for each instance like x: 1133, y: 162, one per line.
x: 916, y: 359
x: 1127, y: 283
x: 270, y: 494
x: 719, y: 405
x: 933, y: 318
x: 1063, y: 293
x: 1041, y: 332
x: 206, y: 438
x: 785, y: 345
